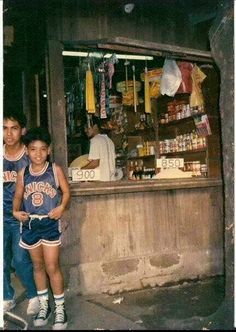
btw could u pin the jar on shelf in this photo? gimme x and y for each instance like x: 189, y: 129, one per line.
x: 140, y: 150
x: 162, y: 118
x: 203, y: 170
x: 152, y: 150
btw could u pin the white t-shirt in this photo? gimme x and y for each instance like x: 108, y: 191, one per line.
x: 102, y: 148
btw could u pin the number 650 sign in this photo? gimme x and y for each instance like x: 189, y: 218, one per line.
x: 85, y: 174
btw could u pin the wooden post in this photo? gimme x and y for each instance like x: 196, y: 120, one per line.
x: 56, y: 103
x: 36, y: 78
x: 156, y: 126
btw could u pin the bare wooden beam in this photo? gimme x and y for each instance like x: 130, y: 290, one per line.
x: 128, y: 49
x: 164, y: 54
x: 160, y: 47
x: 123, y: 44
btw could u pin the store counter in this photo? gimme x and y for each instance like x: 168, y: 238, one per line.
x: 129, y: 186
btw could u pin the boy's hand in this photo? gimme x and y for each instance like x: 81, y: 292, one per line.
x: 56, y: 213
x: 21, y: 216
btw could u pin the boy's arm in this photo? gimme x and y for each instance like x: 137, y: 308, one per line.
x: 17, y: 200
x: 64, y: 185
x: 94, y: 156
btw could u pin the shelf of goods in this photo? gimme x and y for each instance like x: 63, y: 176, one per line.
x: 185, y: 132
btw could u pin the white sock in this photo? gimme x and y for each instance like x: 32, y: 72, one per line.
x: 43, y: 295
x: 59, y: 299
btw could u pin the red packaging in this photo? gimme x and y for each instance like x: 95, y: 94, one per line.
x: 186, y: 71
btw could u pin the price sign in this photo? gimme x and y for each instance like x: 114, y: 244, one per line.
x: 170, y: 163
x: 85, y: 174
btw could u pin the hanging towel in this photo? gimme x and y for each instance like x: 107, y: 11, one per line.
x: 147, y: 93
x: 90, y: 96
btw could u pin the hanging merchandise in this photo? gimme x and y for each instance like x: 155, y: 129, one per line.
x: 147, y: 93
x: 110, y: 68
x: 90, y: 95
x: 126, y: 75
x: 186, y: 71
x: 196, y: 97
x: 154, y: 77
x: 115, y: 101
x: 103, y: 114
x: 106, y: 69
x: 127, y: 90
x: 171, y: 78
x: 135, y: 93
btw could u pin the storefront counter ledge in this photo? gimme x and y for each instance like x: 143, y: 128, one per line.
x: 129, y: 186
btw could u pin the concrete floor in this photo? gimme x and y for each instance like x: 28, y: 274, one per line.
x: 186, y: 306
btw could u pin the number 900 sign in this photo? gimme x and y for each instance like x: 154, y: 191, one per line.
x: 85, y: 174
x: 170, y: 163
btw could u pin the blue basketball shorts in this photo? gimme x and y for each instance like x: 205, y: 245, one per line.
x: 39, y: 231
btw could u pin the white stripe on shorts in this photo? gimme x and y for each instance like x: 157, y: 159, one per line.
x: 51, y: 243
x: 27, y: 246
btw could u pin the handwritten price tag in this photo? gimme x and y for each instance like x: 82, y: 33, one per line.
x: 170, y: 163
x: 85, y: 174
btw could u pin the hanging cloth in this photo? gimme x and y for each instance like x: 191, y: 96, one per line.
x: 90, y: 96
x: 147, y: 92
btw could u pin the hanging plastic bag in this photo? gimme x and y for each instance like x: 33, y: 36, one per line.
x: 171, y: 78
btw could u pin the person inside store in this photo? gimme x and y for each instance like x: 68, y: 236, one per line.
x: 101, y: 151
x: 15, y: 258
x: 41, y: 197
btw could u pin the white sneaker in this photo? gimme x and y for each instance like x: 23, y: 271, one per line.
x: 33, y: 306
x: 9, y: 305
x: 60, y: 321
x: 43, y: 315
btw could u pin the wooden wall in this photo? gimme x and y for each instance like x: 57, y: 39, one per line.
x: 150, y: 20
x: 221, y: 38
x: 128, y: 241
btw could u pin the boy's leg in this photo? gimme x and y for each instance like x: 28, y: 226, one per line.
x: 40, y: 276
x: 22, y: 263
x: 51, y: 258
x: 41, y: 283
x: 7, y: 254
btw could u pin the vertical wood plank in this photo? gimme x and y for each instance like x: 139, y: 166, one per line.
x: 56, y: 103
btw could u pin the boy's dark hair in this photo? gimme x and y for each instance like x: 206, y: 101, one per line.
x: 37, y: 134
x: 15, y: 115
x: 96, y: 121
x: 101, y: 124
